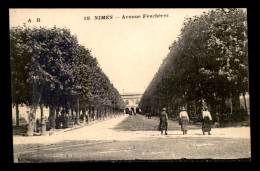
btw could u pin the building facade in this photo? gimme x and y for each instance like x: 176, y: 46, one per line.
x: 131, y: 100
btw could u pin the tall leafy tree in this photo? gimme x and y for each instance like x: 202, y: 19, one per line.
x: 52, y: 56
x: 209, y: 62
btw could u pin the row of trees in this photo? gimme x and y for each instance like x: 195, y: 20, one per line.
x: 207, y: 64
x: 49, y: 68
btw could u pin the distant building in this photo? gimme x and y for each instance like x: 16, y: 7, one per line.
x: 131, y: 100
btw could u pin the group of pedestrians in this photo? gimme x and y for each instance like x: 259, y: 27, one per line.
x: 62, y: 121
x: 184, y: 121
x: 149, y: 113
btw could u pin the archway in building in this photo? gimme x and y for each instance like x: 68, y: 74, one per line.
x: 127, y: 111
x: 137, y: 110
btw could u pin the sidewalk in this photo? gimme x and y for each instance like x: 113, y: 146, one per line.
x: 58, y: 134
x: 80, y: 125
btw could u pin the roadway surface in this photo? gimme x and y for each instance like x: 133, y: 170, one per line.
x: 129, y: 137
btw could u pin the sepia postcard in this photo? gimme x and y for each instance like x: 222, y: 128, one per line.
x: 129, y: 84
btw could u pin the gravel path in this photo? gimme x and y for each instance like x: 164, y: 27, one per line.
x: 127, y: 127
x: 129, y: 137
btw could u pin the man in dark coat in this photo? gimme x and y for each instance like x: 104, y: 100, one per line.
x: 164, y: 121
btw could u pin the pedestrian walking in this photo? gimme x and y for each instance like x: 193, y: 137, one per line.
x: 184, y: 120
x: 164, y: 121
x: 206, y: 121
x: 149, y: 113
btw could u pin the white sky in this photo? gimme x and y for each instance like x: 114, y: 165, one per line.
x: 129, y: 51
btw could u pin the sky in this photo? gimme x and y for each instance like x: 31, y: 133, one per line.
x: 129, y: 51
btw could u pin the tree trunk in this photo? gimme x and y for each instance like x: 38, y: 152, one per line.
x: 72, y: 114
x: 52, y: 117
x: 77, y: 111
x: 93, y: 113
x: 189, y: 109
x: 17, y: 115
x: 41, y: 107
x: 89, y: 113
x: 199, y: 105
x: 213, y: 111
x: 43, y: 123
x: 31, y: 124
x: 97, y: 113
x: 245, y: 103
x: 57, y: 111
x: 36, y: 97
x: 236, y: 106
x: 231, y: 104
x: 84, y: 114
x: 103, y: 113
x: 222, y: 109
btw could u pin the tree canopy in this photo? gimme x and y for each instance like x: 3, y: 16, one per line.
x: 49, y: 66
x: 209, y: 62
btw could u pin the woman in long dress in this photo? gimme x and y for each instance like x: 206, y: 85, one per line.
x: 206, y: 123
x: 184, y: 120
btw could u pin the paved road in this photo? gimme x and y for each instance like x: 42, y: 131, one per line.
x: 133, y: 137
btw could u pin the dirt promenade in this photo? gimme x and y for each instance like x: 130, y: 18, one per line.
x: 129, y: 137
